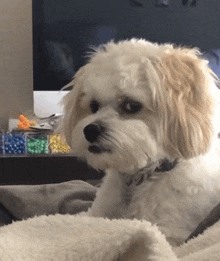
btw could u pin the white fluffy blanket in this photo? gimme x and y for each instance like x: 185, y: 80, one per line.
x: 65, y: 237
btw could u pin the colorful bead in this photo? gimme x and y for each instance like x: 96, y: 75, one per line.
x: 14, y: 143
x: 24, y: 123
x: 37, y: 144
x: 57, y: 145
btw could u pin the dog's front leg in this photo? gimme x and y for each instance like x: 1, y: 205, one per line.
x: 112, y: 198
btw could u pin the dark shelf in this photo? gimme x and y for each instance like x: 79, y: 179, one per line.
x: 43, y: 169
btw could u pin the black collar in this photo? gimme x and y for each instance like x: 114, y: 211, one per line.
x: 138, y: 179
x: 166, y: 165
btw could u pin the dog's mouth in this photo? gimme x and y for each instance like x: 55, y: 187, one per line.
x: 98, y: 149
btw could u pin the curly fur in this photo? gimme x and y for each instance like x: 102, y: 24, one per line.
x: 177, y: 119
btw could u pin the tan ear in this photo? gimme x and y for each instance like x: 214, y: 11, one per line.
x: 185, y: 103
x: 71, y: 103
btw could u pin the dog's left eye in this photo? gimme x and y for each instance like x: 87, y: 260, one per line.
x: 94, y: 106
x: 131, y: 106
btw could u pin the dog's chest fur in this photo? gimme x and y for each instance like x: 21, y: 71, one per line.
x: 173, y: 200
x: 175, y: 205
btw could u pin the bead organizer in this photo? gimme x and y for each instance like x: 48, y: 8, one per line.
x: 14, y: 143
x: 37, y: 143
x: 31, y: 143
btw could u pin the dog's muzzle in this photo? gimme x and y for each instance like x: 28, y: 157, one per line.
x: 92, y: 134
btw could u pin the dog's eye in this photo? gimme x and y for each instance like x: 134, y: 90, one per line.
x: 94, y: 106
x: 131, y: 106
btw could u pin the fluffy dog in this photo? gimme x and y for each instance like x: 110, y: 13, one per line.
x: 148, y: 115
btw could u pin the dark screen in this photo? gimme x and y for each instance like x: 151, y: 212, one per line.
x: 64, y: 31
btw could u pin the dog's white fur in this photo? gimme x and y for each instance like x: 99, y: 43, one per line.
x: 178, y: 120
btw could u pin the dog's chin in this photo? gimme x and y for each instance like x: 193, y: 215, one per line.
x: 102, y: 158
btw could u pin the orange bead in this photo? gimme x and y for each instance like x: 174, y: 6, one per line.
x: 22, y: 118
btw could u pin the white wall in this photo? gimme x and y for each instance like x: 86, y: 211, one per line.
x: 16, y: 73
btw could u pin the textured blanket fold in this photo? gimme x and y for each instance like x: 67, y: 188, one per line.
x: 205, y: 247
x: 83, y: 238
x: 24, y: 201
x: 65, y: 237
x: 79, y: 237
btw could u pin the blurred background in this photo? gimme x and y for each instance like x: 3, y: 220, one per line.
x: 64, y: 31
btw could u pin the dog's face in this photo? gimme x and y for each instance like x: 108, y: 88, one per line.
x: 136, y: 102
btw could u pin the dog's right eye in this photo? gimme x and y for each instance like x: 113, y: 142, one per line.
x: 130, y: 106
x: 94, y: 106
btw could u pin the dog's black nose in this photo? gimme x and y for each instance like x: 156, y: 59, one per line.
x: 92, y: 131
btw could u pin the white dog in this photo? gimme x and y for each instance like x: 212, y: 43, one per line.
x: 147, y: 114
